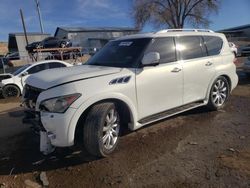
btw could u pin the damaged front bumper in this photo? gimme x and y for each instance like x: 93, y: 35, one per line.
x: 33, y: 118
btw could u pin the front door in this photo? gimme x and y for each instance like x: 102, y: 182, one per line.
x: 160, y: 88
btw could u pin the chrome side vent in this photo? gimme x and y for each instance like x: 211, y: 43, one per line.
x: 122, y: 80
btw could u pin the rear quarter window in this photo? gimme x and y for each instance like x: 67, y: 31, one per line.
x: 213, y: 44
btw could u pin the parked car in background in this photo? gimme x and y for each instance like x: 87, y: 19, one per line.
x: 49, y: 42
x: 234, y: 48
x: 5, y: 60
x: 34, y: 45
x: 131, y: 82
x: 245, y: 50
x: 246, y: 67
x: 12, y: 85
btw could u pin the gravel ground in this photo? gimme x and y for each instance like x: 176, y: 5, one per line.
x: 195, y: 149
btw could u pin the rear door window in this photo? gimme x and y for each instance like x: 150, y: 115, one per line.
x: 56, y: 65
x: 213, y: 44
x: 165, y: 47
x: 38, y: 68
x: 190, y: 47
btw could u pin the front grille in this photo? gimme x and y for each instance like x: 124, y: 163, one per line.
x: 30, y: 95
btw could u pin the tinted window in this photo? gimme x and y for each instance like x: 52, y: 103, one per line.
x: 213, y: 44
x: 190, y: 47
x: 120, y: 53
x: 18, y: 71
x: 37, y: 68
x: 164, y: 46
x: 56, y: 65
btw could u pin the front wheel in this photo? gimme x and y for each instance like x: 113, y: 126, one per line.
x: 101, y: 129
x: 11, y: 91
x: 218, y: 94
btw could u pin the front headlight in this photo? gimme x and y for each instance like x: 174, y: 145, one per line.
x: 59, y: 104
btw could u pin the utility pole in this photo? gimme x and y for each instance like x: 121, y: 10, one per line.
x: 39, y: 15
x: 24, y: 28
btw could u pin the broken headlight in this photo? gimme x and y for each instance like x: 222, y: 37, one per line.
x: 59, y: 104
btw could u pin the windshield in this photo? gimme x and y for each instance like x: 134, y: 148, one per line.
x: 20, y: 69
x: 121, y: 53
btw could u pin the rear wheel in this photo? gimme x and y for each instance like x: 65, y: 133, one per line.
x: 219, y: 94
x: 11, y: 91
x: 63, y: 45
x: 101, y: 129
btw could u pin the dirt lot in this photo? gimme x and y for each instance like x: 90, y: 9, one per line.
x: 194, y: 149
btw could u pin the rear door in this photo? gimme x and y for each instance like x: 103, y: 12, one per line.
x: 198, y: 67
x: 160, y: 87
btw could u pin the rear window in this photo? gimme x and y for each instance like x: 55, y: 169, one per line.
x: 213, y: 44
x: 190, y: 47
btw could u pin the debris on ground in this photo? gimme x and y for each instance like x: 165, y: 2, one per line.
x: 32, y: 184
x: 231, y: 149
x: 2, y: 185
x: 192, y: 143
x: 242, y: 137
x: 44, y: 179
x: 11, y: 171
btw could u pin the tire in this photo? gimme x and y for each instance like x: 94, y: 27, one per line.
x: 219, y: 94
x: 11, y: 91
x: 63, y: 45
x: 38, y: 46
x: 101, y: 129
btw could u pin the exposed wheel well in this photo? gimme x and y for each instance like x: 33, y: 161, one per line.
x: 125, y: 113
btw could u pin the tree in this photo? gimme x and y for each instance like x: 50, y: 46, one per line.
x: 174, y: 13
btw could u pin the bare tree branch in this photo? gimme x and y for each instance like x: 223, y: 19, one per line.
x: 174, y: 13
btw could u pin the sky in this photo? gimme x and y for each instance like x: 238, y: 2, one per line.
x: 89, y: 13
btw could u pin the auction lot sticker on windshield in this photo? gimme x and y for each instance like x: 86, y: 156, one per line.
x: 125, y: 43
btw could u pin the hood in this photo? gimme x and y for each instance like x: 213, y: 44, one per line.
x: 53, y: 77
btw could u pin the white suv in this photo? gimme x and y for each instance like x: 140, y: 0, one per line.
x: 131, y: 82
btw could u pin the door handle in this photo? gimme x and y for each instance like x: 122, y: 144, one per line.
x: 176, y: 69
x: 208, y: 63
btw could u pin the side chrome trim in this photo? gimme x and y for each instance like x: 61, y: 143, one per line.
x: 171, y: 112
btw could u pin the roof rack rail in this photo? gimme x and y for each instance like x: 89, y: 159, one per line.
x: 177, y: 30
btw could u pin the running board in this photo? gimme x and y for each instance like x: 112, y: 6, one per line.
x: 168, y: 113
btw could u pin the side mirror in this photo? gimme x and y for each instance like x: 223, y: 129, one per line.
x: 24, y: 74
x: 151, y: 59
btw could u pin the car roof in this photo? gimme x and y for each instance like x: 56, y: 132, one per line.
x: 172, y: 33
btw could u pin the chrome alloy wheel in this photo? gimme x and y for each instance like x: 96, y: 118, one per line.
x: 111, y: 129
x: 219, y: 93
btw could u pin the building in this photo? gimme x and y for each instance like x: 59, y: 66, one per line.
x: 240, y: 33
x: 89, y: 38
x: 17, y: 42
